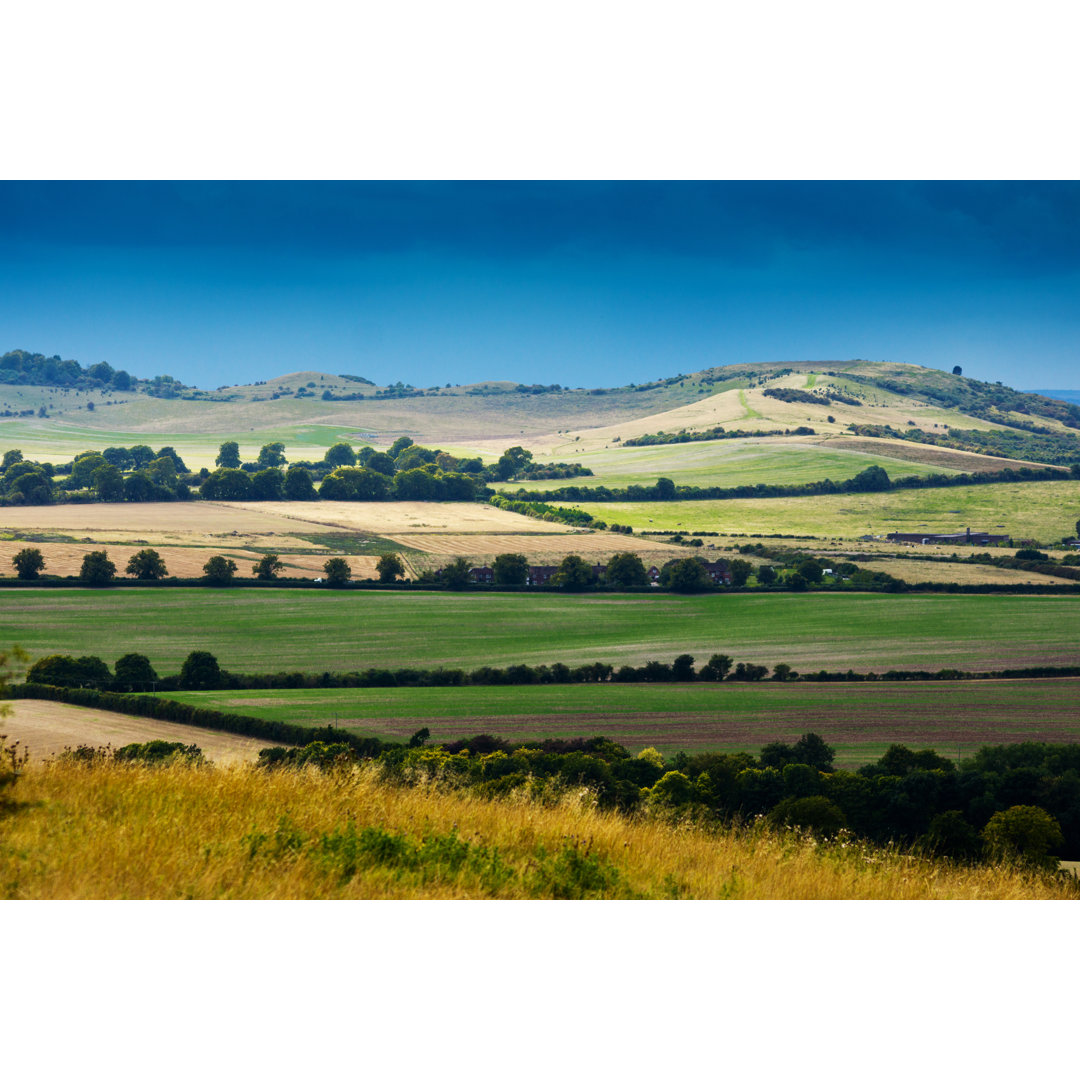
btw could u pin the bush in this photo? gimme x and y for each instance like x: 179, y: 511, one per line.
x: 1024, y: 833
x: 814, y: 812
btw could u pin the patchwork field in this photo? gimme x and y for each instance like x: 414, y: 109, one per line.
x: 315, y: 630
x: 860, y: 720
x: 963, y: 573
x: 46, y: 728
x: 1043, y: 511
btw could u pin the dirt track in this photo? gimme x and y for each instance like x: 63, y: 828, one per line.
x: 48, y: 727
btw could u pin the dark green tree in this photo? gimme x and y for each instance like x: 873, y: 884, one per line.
x: 626, y: 569
x: 665, y: 489
x: 512, y: 462
x: 217, y: 570
x: 815, y: 813
x: 390, y: 567
x: 811, y: 570
x: 958, y: 370
x: 399, y: 445
x: 682, y: 669
x: 268, y: 485
x: 28, y: 563
x: 108, y: 482
x: 951, y: 835
x: 337, y: 571
x: 716, y: 669
x: 227, y: 484
x: 298, y: 484
x: 685, y: 576
x: 272, y: 455
x: 766, y: 575
x: 88, y: 671
x: 200, y: 672
x: 97, y: 569
x: 340, y: 454
x: 228, y: 456
x: 510, y: 569
x: 267, y: 568
x: 380, y: 462
x: 134, y: 673
x: 574, y: 574
x: 1025, y: 833
x: 147, y: 565
x: 740, y: 571
x: 456, y: 575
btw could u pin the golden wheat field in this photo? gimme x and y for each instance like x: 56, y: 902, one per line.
x: 241, y: 832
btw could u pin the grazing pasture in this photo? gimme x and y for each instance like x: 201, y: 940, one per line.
x: 1044, y: 511
x: 268, y: 630
x: 859, y: 720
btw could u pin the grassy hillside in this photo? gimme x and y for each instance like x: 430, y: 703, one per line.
x: 240, y: 833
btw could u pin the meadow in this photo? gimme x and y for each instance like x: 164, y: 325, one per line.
x: 859, y: 720
x: 243, y: 833
x: 1044, y: 511
x: 267, y: 630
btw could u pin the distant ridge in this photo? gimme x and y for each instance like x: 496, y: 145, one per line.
x: 1072, y: 396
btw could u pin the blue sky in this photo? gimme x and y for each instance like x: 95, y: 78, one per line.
x: 586, y: 284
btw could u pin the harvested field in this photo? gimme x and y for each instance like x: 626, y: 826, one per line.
x: 585, y: 543
x: 48, y: 727
x: 66, y: 559
x: 394, y: 517
x: 964, y: 573
x: 362, y: 566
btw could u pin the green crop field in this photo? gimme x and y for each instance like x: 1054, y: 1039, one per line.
x: 1043, y: 511
x: 725, y: 463
x: 307, y: 630
x: 860, y: 720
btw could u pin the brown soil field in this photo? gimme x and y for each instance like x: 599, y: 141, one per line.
x: 574, y: 543
x: 393, y: 517
x: 48, y: 727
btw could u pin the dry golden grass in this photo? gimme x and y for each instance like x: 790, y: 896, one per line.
x: 45, y: 728
x: 939, y: 456
x: 585, y: 544
x: 116, y: 831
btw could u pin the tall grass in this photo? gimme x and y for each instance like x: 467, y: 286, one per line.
x: 113, y: 830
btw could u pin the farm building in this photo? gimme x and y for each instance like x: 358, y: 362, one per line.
x: 981, y: 539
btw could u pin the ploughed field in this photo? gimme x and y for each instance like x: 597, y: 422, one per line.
x: 859, y: 720
x: 268, y: 630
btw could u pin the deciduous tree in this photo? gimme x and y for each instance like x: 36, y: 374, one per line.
x: 337, y: 571
x: 390, y: 567
x: 267, y: 568
x: 28, y: 563
x: 97, y: 568
x: 147, y: 565
x: 218, y: 570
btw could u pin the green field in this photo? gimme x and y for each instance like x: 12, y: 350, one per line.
x: 1042, y: 511
x: 306, y: 630
x: 860, y: 720
x: 725, y: 463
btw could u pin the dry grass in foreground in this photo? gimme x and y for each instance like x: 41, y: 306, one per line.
x: 115, y: 831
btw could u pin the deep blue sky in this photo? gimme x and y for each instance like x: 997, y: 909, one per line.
x: 580, y: 283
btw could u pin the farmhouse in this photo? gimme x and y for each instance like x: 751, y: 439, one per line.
x: 982, y: 539
x: 719, y: 571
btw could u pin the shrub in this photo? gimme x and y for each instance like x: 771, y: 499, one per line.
x: 1024, y: 833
